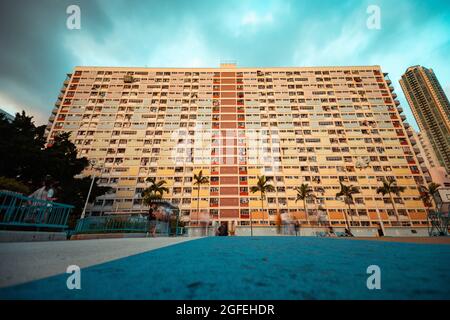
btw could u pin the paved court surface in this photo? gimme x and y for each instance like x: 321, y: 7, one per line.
x: 21, y: 262
x: 259, y: 268
x: 428, y: 240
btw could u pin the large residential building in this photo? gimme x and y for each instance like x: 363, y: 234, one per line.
x: 431, y: 109
x: 437, y: 173
x: 427, y: 150
x: 314, y: 125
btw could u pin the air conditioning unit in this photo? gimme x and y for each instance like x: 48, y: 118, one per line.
x: 128, y: 78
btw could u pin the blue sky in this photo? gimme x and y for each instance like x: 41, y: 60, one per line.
x: 37, y: 49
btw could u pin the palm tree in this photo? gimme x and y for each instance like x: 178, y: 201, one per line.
x: 157, y: 187
x: 390, y: 187
x: 263, y: 186
x: 154, y: 193
x: 427, y: 194
x: 304, y: 192
x: 199, y: 179
x: 151, y: 199
x: 347, y: 192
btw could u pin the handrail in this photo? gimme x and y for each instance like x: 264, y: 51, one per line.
x: 119, y: 223
x: 18, y: 210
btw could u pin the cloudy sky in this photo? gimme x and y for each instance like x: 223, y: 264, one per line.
x: 37, y: 49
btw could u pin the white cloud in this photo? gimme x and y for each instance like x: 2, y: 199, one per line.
x: 395, y: 48
x: 252, y: 18
x: 248, y: 19
x: 182, y: 46
x: 12, y: 106
x: 187, y: 48
x: 317, y: 51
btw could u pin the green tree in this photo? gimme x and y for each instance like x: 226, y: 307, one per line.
x: 154, y: 193
x: 263, y: 186
x: 62, y: 161
x: 304, y: 192
x: 26, y: 159
x: 75, y: 191
x: 347, y: 193
x: 11, y: 184
x: 390, y: 188
x: 199, y: 180
x: 21, y: 145
x: 427, y: 194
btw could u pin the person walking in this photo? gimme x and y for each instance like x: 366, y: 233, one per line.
x: 39, y: 208
x: 41, y: 193
x: 296, y: 227
x: 151, y: 224
x: 219, y: 230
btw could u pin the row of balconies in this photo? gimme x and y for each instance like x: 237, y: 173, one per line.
x: 207, y: 92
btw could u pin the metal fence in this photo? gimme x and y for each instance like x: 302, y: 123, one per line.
x: 19, y: 211
x: 119, y: 224
x: 439, y: 223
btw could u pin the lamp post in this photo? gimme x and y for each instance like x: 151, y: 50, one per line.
x: 178, y: 217
x: 83, y: 213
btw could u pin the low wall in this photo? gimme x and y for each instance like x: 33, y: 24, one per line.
x: 363, y: 231
x: 288, y: 230
x: 90, y: 236
x: 303, y: 231
x: 199, y: 231
x: 24, y: 236
x: 406, y: 232
x: 257, y: 231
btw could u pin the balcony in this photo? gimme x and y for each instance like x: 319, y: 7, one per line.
x: 394, y: 95
x: 397, y: 103
x: 420, y: 159
x: 58, y: 103
x: 128, y: 78
x: 403, y: 117
x: 406, y: 125
x: 413, y: 141
x: 416, y: 150
x: 400, y: 109
x: 391, y: 88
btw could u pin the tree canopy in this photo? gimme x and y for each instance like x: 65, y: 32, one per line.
x: 26, y: 160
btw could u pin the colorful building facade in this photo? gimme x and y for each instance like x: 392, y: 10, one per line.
x: 314, y: 125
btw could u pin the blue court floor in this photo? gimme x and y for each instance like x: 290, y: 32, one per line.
x: 259, y: 268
